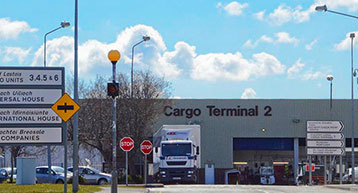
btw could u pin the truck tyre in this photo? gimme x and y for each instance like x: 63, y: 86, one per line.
x: 102, y: 181
x: 59, y: 182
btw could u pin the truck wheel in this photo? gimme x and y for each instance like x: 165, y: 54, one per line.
x: 102, y: 182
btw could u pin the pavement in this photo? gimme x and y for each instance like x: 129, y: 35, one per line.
x: 236, y: 188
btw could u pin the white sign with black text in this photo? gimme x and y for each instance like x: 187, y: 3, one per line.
x: 29, y: 96
x: 31, y: 135
x: 28, y: 116
x: 30, y: 77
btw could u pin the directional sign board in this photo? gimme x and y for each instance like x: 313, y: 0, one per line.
x: 332, y: 136
x: 65, y: 107
x: 324, y: 126
x: 325, y: 144
x: 26, y: 97
x: 325, y: 138
x: 325, y: 151
x: 146, y: 147
x: 126, y: 144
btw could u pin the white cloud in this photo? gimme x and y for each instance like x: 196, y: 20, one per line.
x: 93, y: 54
x: 346, y: 43
x: 15, y: 53
x: 12, y: 29
x: 310, y: 45
x: 260, y: 15
x: 310, y: 75
x: 295, y: 69
x: 234, y: 67
x: 295, y: 72
x: 264, y: 38
x: 283, y: 14
x: 183, y: 55
x: 154, y: 55
x: 233, y: 9
x: 284, y: 37
x: 281, y: 37
x: 249, y: 93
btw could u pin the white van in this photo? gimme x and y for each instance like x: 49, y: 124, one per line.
x: 348, y: 176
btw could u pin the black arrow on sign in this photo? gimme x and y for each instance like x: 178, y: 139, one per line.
x: 65, y: 107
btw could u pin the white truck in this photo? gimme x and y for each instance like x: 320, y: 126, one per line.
x: 176, y: 156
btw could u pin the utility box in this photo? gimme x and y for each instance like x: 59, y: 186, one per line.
x: 209, y: 174
x: 26, y: 171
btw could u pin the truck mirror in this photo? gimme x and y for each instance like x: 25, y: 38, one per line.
x: 156, y: 149
x: 197, y: 150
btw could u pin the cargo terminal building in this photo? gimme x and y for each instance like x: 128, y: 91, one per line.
x: 247, y: 134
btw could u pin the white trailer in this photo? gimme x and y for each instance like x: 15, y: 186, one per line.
x: 176, y: 156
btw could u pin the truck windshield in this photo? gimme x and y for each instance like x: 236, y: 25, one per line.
x: 179, y: 149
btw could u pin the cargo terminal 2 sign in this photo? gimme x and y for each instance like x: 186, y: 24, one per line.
x: 26, y: 97
x: 215, y: 111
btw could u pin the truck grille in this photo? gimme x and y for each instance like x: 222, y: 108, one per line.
x: 179, y: 163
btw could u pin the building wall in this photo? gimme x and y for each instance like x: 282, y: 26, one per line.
x: 288, y: 120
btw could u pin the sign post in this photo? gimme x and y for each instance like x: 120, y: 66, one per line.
x: 146, y: 148
x: 325, y: 138
x: 126, y: 144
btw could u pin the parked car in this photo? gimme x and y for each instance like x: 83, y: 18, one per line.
x: 5, y: 173
x: 93, y: 176
x: 58, y: 175
x: 348, y: 176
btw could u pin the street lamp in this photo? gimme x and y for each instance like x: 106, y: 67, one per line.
x: 64, y: 24
x: 145, y: 38
x: 352, y: 35
x: 324, y: 8
x: 114, y: 56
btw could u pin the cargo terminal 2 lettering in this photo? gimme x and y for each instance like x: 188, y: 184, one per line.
x: 238, y: 111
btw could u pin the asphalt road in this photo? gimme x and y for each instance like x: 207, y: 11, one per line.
x: 244, y: 189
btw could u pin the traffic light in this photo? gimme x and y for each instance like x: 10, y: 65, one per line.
x: 112, y: 89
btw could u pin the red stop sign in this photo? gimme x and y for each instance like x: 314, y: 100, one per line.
x: 313, y: 167
x: 146, y: 147
x: 126, y: 143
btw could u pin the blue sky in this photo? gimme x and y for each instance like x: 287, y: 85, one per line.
x: 206, y: 49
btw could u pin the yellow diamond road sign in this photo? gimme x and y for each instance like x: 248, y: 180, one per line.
x: 65, y: 107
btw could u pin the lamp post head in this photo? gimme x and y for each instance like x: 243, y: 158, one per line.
x: 65, y: 24
x: 329, y: 77
x: 114, y: 56
x: 321, y: 8
x: 146, y: 38
x: 352, y: 35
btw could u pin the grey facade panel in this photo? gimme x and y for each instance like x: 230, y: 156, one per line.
x: 219, y: 127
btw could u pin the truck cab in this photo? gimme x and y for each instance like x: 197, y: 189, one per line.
x: 176, y: 155
x: 177, y: 161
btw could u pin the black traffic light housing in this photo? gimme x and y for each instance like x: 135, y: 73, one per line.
x: 113, y: 89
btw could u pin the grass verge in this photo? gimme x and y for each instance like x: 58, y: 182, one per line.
x: 45, y: 188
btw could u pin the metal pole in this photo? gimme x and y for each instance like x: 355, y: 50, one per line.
x: 353, y: 172
x: 340, y: 170
x: 126, y: 168
x: 132, y: 67
x: 45, y: 50
x: 49, y: 163
x: 325, y: 170
x: 65, y: 152
x: 330, y: 104
x: 330, y: 169
x: 145, y: 169
x: 132, y: 72
x: 310, y: 170
x: 75, y: 122
x: 114, y: 137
